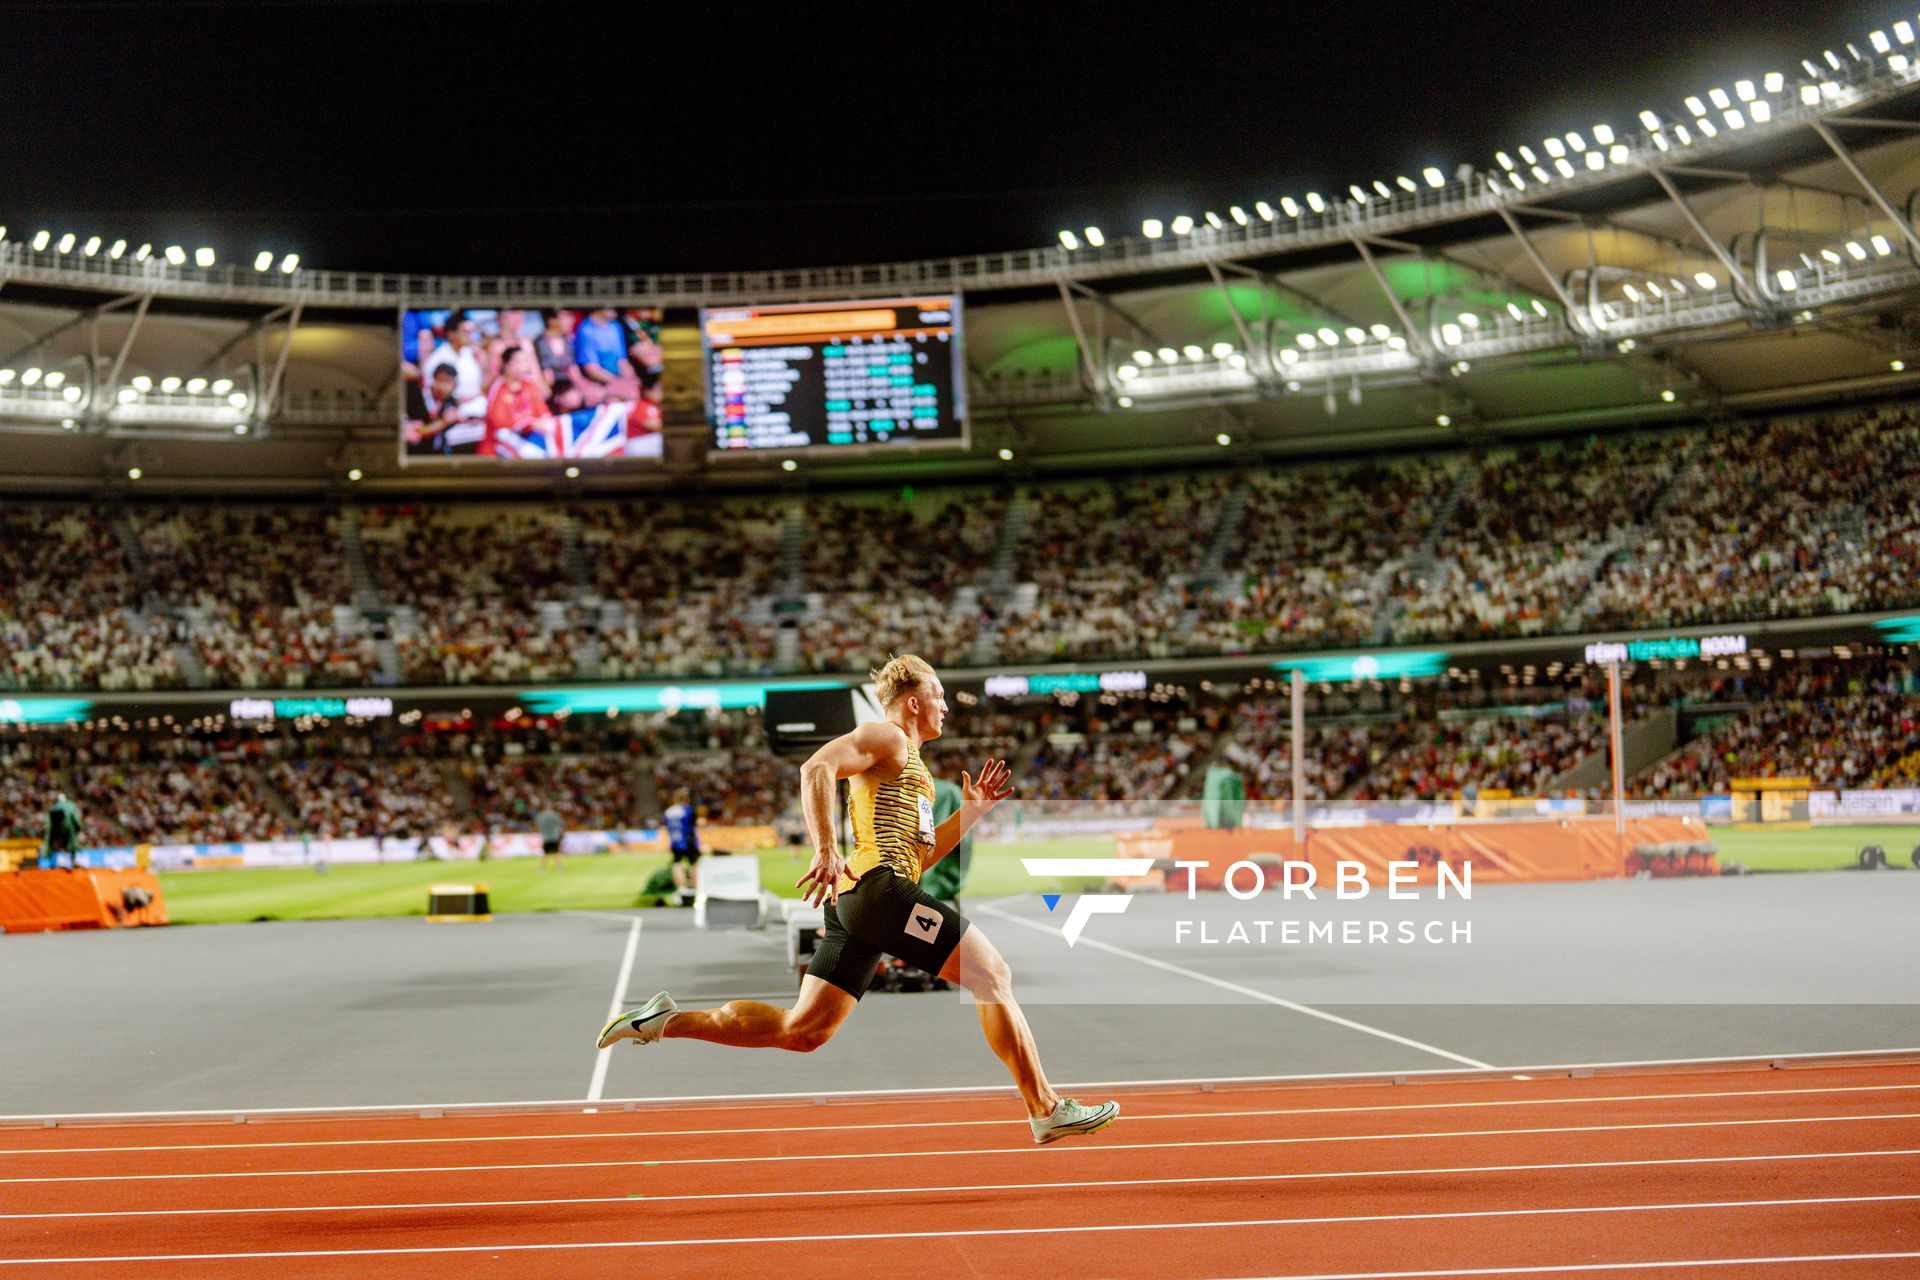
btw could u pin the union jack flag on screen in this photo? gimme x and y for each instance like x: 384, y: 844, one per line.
x: 584, y: 433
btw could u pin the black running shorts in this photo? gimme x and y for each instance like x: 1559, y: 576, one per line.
x: 884, y: 914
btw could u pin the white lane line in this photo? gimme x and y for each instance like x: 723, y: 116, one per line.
x: 1132, y: 1118
x: 1836, y: 1059
x: 1566, y: 1268
x: 603, y: 1056
x: 1249, y: 992
x: 710, y: 1241
x: 816, y: 1157
x: 966, y: 1187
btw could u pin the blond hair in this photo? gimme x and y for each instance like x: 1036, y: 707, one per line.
x: 902, y: 675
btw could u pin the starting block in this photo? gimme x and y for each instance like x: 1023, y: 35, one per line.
x: 457, y: 904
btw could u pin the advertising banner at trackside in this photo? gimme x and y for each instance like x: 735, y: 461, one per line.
x: 1864, y: 804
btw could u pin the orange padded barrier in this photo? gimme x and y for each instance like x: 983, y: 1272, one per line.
x: 34, y: 901
x: 1551, y: 849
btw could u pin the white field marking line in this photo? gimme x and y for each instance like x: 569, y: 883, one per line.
x: 1901, y: 1057
x: 1132, y: 1118
x: 603, y: 1056
x: 875, y: 1191
x: 1028, y: 1231
x: 1224, y: 985
x: 972, y: 1151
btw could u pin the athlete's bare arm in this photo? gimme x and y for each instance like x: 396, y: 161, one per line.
x: 995, y: 785
x: 870, y: 747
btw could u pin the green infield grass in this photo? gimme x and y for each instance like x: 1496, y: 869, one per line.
x: 1814, y: 848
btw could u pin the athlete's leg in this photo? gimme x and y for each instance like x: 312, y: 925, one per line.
x: 749, y: 1024
x: 977, y: 965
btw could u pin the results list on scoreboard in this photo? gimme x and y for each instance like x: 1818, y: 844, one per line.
x: 865, y: 373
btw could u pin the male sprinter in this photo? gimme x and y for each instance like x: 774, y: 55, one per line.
x: 877, y: 905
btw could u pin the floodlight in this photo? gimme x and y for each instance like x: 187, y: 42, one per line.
x: 1540, y: 308
x: 1289, y: 206
x: 176, y: 255
x: 1469, y: 319
x: 1397, y: 342
x: 1833, y: 59
x: 354, y: 474
x: 573, y: 473
x: 55, y: 378
x: 1786, y: 280
x: 238, y: 399
x: 1444, y: 420
x: 1406, y: 183
x: 30, y: 377
x: 1192, y: 351
x: 1653, y: 287
x: 221, y: 386
x: 1328, y: 336
x: 1513, y: 309
x: 1143, y: 357
x: 1625, y: 346
x: 170, y: 383
x: 1880, y: 245
x: 1126, y: 402
x: 1152, y: 229
x: 1575, y: 141
x: 1213, y: 220
x: 1743, y: 90
x: 1556, y: 148
x: 1735, y: 120
x: 1306, y: 340
x: 1595, y: 160
x: 1385, y: 192
x: 1359, y: 196
x: 119, y: 247
x: 1696, y: 106
x: 1774, y: 82
x: 1540, y: 175
x: 1680, y: 132
x: 1450, y: 334
x: 1630, y: 291
x: 1356, y: 335
x: 1238, y: 214
x: 1603, y: 134
x: 144, y: 252
x: 3, y: 232
x: 133, y: 473
x: 1650, y: 120
x: 1810, y: 95
x: 40, y: 240
x: 1096, y: 237
x: 1565, y: 168
x: 196, y: 385
x: 1506, y: 161
x: 1618, y: 153
x: 1719, y: 97
x: 1221, y: 350
x: 1069, y: 241
x: 1526, y: 153
x: 1667, y: 395
x: 1381, y: 332
x: 1897, y: 61
x: 1237, y: 361
x: 1182, y: 225
x: 1223, y: 439
x: 6, y: 376
x: 92, y: 246
x: 127, y: 395
x: 1660, y: 141
x: 1761, y: 111
x: 142, y: 382
x: 203, y: 257
x: 1705, y: 280
x: 1898, y: 366
x: 1127, y: 372
x: 1519, y: 183
x: 262, y: 260
x: 787, y: 465
x: 1707, y: 128
x: 1169, y: 356
x: 1287, y: 356
x: 1879, y: 41
x: 66, y: 243
x: 1264, y: 209
x: 71, y: 394
x: 1315, y: 203
x: 290, y: 264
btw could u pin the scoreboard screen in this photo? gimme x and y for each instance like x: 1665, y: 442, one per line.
x: 835, y: 374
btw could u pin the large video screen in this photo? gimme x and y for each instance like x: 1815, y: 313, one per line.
x: 524, y: 385
x: 835, y: 373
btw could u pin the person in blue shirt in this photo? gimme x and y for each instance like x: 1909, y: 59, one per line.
x: 683, y: 841
x: 600, y: 353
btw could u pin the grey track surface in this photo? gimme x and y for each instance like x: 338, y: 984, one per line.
x: 401, y: 1012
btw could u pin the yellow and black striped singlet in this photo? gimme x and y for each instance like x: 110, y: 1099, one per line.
x: 892, y: 821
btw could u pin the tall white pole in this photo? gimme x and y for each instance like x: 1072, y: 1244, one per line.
x: 1619, y: 765
x: 1299, y: 760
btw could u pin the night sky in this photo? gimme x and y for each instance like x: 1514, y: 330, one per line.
x: 472, y: 137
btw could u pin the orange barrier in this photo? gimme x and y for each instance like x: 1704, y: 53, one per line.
x: 1555, y: 849
x: 35, y: 901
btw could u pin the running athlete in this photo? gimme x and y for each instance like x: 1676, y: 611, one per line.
x: 876, y: 905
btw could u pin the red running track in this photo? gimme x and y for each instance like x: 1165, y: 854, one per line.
x: 1807, y: 1172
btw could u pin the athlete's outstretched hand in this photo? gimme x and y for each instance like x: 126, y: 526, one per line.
x: 995, y: 785
x: 822, y: 881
